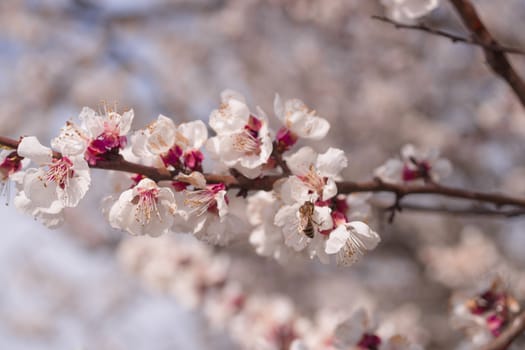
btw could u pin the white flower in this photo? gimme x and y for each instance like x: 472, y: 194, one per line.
x: 173, y: 146
x: 243, y: 140
x: 208, y: 212
x: 300, y: 120
x: 144, y: 209
x: 295, y: 222
x: 51, y: 214
x: 316, y: 173
x: 302, y: 218
x: 96, y: 136
x: 359, y: 332
x: 414, y: 165
x: 409, y: 10
x: 57, y: 183
x: 267, y: 238
x: 350, y: 241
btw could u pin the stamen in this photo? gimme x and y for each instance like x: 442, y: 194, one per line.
x: 200, y: 201
x: 313, y: 181
x: 246, y: 143
x: 146, y: 202
x: 59, y: 172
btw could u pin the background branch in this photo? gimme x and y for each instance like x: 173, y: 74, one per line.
x: 455, y: 38
x: 496, y: 59
x: 453, y: 211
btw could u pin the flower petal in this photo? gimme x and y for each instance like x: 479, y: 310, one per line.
x: 31, y: 148
x: 331, y: 162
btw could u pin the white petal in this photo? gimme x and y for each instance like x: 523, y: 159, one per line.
x: 323, y: 218
x: 222, y: 206
x: 300, y: 162
x: 31, y: 148
x: 195, y: 132
x: 161, y: 135
x: 348, y: 333
x: 91, y: 122
x: 40, y: 193
x: 126, y: 121
x: 293, y: 190
x: 391, y: 171
x: 408, y: 151
x: 441, y: 169
x: 365, y: 234
x: 278, y: 107
x: 331, y: 162
x: 230, y: 118
x: 330, y: 189
x: 337, y: 240
x: 71, y: 141
x: 195, y: 179
x: 228, y: 94
x: 78, y: 185
x: 309, y: 127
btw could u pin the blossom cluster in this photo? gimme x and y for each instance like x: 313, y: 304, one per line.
x: 301, y: 215
x: 197, y: 278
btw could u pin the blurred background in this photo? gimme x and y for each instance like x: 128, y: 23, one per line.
x: 379, y: 87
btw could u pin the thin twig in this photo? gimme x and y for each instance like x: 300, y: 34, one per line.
x: 513, y: 331
x: 497, y: 60
x: 455, y: 38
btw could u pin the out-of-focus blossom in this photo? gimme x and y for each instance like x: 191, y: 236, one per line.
x: 409, y: 10
x: 359, y: 332
x: 486, y: 314
x: 414, y: 165
x: 243, y: 141
x: 145, y: 209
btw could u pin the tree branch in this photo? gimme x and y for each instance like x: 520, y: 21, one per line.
x: 118, y: 163
x: 455, y: 38
x: 453, y: 211
x: 496, y: 59
x: 513, y: 331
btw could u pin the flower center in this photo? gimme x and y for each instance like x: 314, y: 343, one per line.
x: 108, y: 141
x: 369, y: 342
x: 247, y: 143
x: 202, y: 201
x: 313, y: 181
x: 146, y: 201
x: 59, y: 172
x: 416, y: 170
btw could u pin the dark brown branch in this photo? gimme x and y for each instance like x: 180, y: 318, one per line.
x: 266, y: 183
x: 513, y: 331
x: 497, y: 60
x: 455, y: 38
